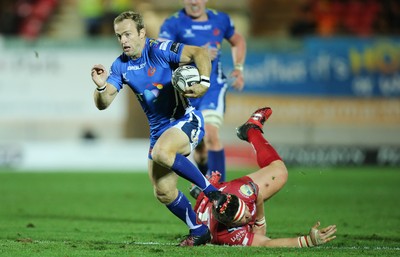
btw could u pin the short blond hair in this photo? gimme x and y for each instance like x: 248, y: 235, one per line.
x: 131, y: 15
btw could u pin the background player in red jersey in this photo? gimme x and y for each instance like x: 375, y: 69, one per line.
x: 238, y: 217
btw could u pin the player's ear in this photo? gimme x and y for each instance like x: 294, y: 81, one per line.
x: 142, y: 33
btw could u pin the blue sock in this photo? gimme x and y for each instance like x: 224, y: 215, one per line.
x: 216, y: 162
x: 182, y: 208
x: 185, y: 169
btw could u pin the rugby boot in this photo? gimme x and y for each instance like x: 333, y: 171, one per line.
x: 256, y: 121
x: 192, y: 240
x: 194, y: 191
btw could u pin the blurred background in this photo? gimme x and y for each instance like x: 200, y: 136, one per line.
x: 330, y: 70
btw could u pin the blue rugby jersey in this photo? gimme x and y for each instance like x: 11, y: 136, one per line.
x: 150, y: 79
x: 181, y: 28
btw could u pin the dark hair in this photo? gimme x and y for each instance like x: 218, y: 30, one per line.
x: 130, y: 15
x: 225, y: 208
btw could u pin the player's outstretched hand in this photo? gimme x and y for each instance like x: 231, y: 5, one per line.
x: 322, y: 236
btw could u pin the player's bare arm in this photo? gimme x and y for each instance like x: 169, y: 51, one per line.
x: 104, y: 93
x: 238, y: 48
x: 260, y: 225
x: 212, y: 51
x: 200, y: 57
x: 314, y: 238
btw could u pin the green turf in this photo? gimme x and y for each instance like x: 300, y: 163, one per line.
x: 115, y: 214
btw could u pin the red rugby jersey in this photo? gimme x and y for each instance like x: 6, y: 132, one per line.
x: 245, y: 189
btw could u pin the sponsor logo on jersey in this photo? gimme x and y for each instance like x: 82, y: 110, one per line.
x: 153, y: 42
x: 246, y: 190
x: 158, y: 86
x: 188, y: 33
x: 136, y: 67
x: 202, y: 27
x: 238, y: 236
x: 151, y: 71
x: 175, y: 47
x: 163, y: 45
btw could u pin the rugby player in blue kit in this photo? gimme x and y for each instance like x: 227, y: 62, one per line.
x: 197, y: 25
x: 146, y: 67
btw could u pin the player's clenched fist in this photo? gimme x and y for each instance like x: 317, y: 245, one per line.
x: 99, y: 75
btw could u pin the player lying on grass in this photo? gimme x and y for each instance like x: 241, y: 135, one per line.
x: 238, y: 217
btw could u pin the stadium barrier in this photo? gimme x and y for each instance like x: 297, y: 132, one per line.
x: 131, y: 156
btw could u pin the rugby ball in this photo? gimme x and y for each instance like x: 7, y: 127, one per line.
x: 185, y: 76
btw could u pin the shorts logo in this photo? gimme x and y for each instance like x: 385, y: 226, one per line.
x: 194, y: 136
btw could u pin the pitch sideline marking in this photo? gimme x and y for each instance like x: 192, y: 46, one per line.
x: 174, y: 244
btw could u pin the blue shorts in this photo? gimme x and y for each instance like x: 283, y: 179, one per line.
x: 213, y: 99
x: 212, y: 104
x: 192, y: 124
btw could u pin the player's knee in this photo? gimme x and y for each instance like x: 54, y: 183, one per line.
x: 280, y: 173
x: 284, y: 176
x: 212, y: 139
x: 162, y: 156
x: 212, y: 136
x: 213, y: 118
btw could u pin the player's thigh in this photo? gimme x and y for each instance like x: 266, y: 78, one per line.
x: 183, y: 137
x: 271, y: 178
x: 172, y: 141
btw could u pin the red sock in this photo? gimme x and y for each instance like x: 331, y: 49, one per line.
x: 264, y: 151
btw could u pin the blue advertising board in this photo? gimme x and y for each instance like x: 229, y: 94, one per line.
x: 327, y: 67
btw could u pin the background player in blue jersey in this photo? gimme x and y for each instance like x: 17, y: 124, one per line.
x: 197, y: 25
x: 146, y: 66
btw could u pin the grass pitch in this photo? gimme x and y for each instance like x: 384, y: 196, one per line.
x: 115, y: 214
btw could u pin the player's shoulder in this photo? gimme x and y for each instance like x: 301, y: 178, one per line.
x: 156, y: 47
x: 175, y: 17
x: 155, y: 44
x: 245, y: 186
x: 213, y: 13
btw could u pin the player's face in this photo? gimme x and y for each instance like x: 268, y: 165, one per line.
x: 131, y: 40
x: 195, y: 8
x: 247, y: 217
